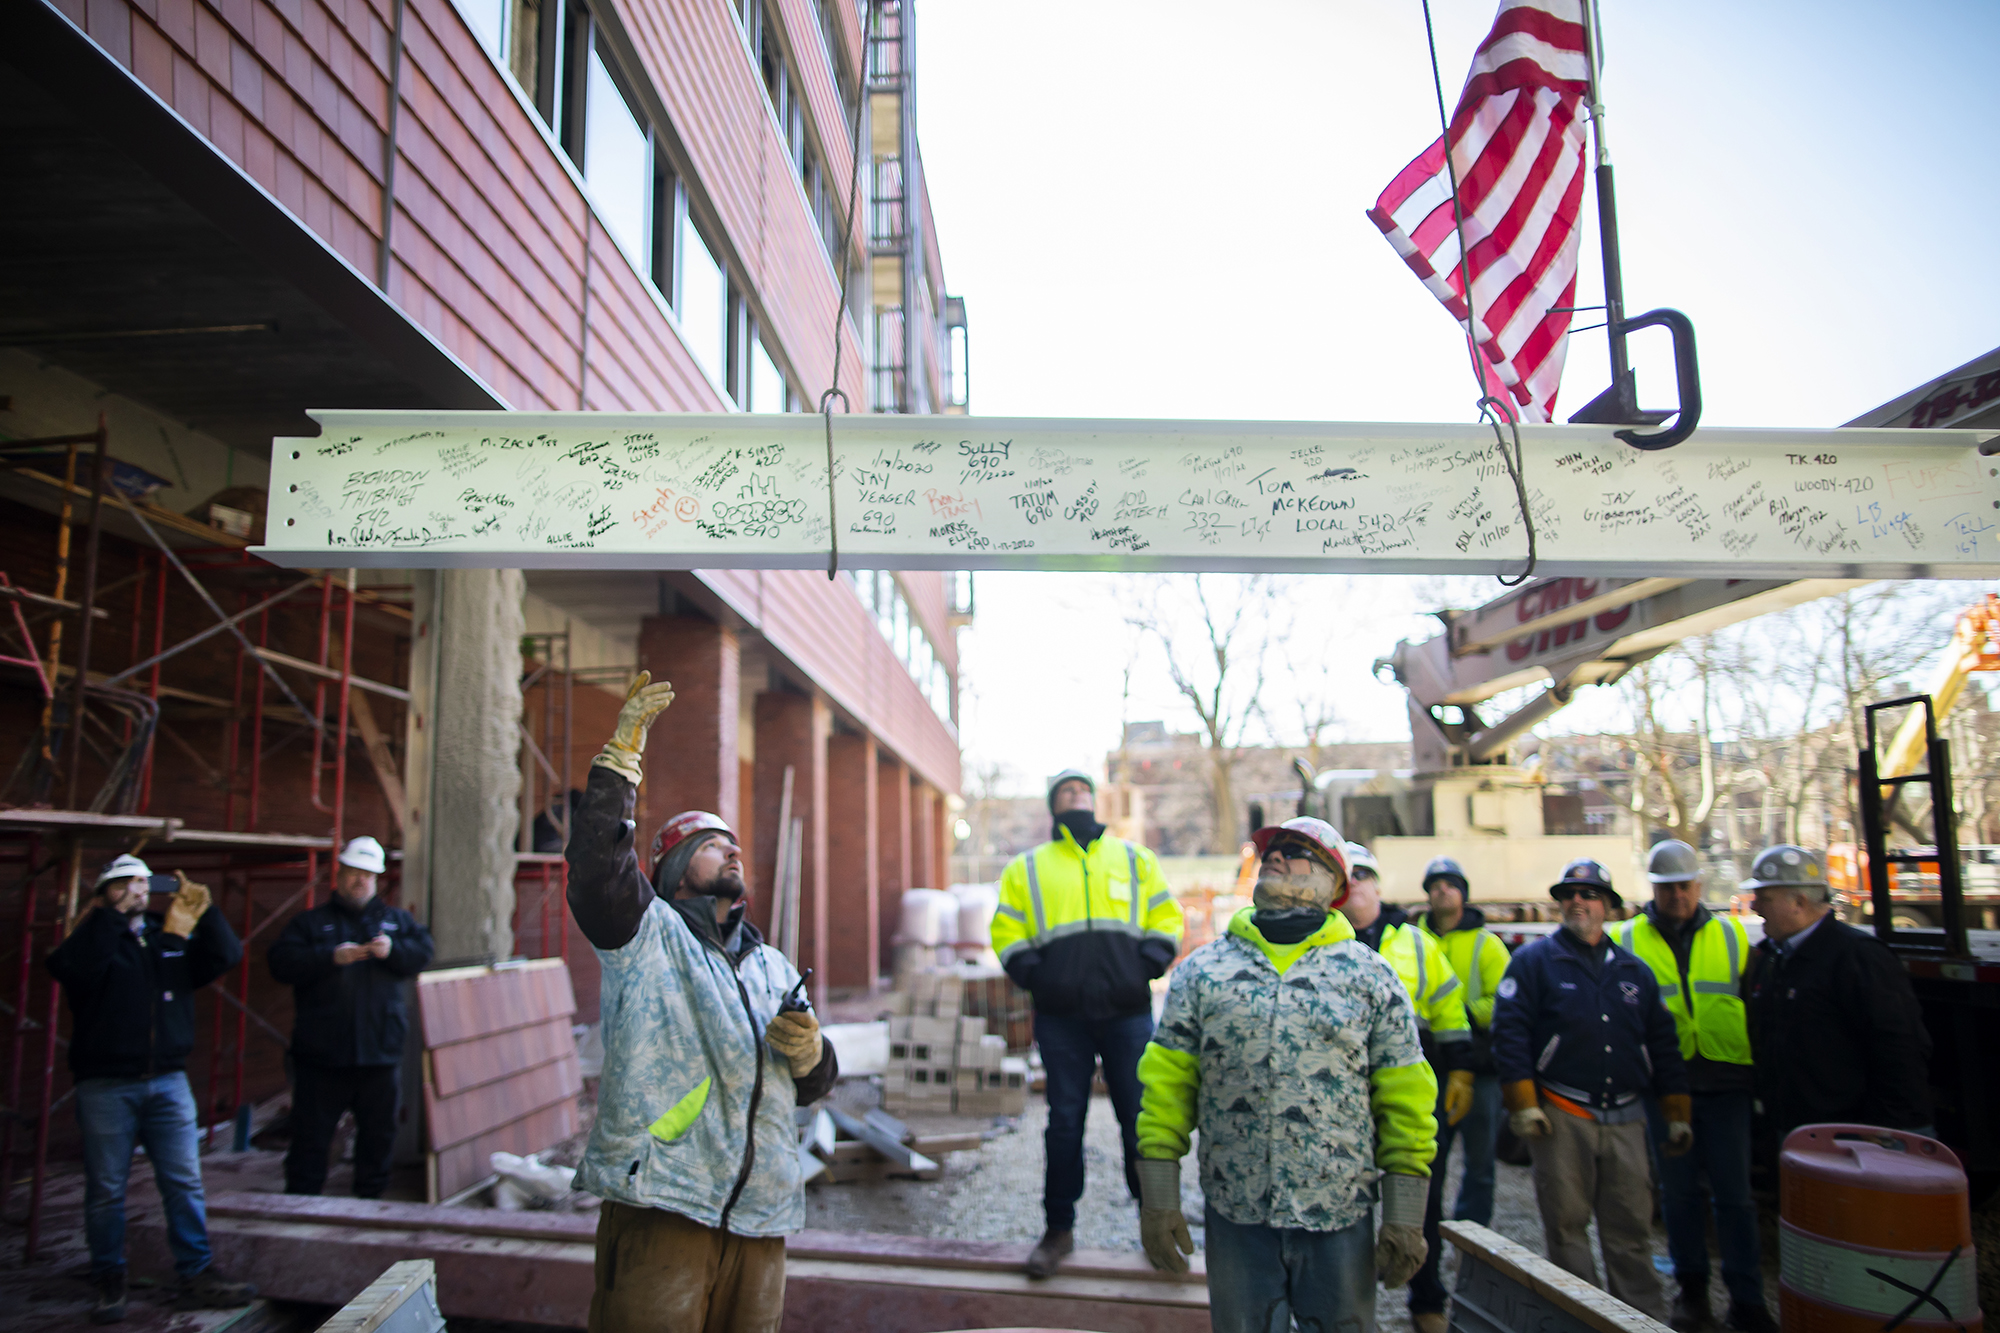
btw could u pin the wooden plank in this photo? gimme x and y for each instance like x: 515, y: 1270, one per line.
x: 558, y: 1228
x: 453, y: 1120
x: 465, y: 1065
x: 461, y: 1164
x: 381, y: 760
x: 463, y: 1003
x: 401, y: 1283
x: 1504, y: 1287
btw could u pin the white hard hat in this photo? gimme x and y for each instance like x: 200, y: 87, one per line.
x: 123, y: 867
x: 364, y: 853
x: 1360, y: 858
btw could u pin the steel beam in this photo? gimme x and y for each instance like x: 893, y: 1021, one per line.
x: 605, y: 490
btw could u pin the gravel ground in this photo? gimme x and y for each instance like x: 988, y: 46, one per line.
x: 996, y: 1194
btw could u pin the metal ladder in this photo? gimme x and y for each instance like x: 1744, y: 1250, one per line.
x: 1951, y: 941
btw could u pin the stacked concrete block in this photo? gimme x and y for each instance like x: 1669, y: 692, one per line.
x: 943, y: 1061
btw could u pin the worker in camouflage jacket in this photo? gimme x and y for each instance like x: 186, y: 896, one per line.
x: 695, y: 1150
x: 1293, y: 1048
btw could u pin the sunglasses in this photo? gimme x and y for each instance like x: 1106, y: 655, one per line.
x: 1586, y: 893
x: 1293, y: 851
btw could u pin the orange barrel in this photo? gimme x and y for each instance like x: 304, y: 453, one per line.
x: 1875, y: 1231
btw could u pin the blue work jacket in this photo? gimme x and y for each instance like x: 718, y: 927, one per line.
x: 1604, y: 1041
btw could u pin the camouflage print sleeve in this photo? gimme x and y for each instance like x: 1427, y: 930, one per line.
x: 1180, y: 1019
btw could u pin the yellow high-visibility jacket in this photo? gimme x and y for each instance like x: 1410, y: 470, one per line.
x: 1434, y: 991
x: 1477, y: 957
x: 1087, y: 930
x: 1706, y: 999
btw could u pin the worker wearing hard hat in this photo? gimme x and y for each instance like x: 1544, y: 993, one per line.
x: 1293, y: 1048
x: 1582, y: 1039
x: 1835, y: 1029
x: 1479, y: 960
x: 708, y: 1049
x: 1699, y: 960
x: 347, y: 962
x: 130, y: 978
x: 1442, y: 1027
x: 1085, y: 923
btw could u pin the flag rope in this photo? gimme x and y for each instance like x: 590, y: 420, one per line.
x: 1487, y: 400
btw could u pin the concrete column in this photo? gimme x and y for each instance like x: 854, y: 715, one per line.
x: 892, y: 840
x: 792, y: 730
x: 463, y: 777
x: 853, y: 869
x: 691, y: 752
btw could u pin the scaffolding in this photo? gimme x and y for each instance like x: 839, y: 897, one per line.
x: 111, y: 721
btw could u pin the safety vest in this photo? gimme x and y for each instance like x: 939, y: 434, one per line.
x: 1480, y: 960
x: 1428, y: 976
x: 1706, y: 1003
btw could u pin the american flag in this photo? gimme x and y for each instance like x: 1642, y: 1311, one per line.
x: 1517, y: 143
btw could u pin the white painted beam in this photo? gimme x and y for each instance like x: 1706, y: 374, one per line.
x: 551, y: 491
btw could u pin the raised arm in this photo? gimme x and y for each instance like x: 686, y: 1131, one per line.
x: 608, y: 891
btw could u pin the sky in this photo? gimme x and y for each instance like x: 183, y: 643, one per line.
x: 1157, y: 210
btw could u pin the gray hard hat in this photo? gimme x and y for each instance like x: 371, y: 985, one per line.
x: 1672, y: 862
x: 1070, y: 775
x: 1787, y: 866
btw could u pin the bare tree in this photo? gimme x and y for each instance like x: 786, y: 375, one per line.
x: 1215, y: 631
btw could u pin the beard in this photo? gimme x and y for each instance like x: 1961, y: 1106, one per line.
x: 726, y: 884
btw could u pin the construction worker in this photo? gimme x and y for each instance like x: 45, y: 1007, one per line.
x: 1581, y: 1039
x: 347, y: 962
x: 1699, y: 959
x: 1293, y: 1048
x: 1835, y: 1028
x: 1442, y: 1027
x: 695, y: 1149
x: 1085, y: 922
x: 130, y: 978
x: 1479, y: 960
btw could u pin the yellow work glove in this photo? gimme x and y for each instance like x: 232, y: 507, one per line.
x: 190, y: 901
x: 643, y: 702
x: 1457, y: 1095
x: 1163, y: 1229
x: 795, y: 1035
x: 1400, y: 1246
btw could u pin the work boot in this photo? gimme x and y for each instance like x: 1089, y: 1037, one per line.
x: 1429, y: 1321
x: 1049, y: 1252
x: 211, y: 1290
x: 109, y: 1288
x: 1751, y: 1319
x: 1691, y: 1313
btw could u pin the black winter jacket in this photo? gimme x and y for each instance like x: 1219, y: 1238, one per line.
x: 131, y: 996
x: 1836, y: 1034
x: 352, y: 1015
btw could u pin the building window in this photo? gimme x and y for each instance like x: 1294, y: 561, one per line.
x: 704, y: 308
x: 488, y: 21
x: 617, y: 162
x: 767, y: 382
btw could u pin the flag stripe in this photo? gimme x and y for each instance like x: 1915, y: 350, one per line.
x: 1517, y: 144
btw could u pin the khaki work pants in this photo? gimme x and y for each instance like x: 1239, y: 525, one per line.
x: 658, y: 1272
x: 1584, y: 1169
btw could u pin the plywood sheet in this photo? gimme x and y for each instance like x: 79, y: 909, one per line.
x: 500, y: 1066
